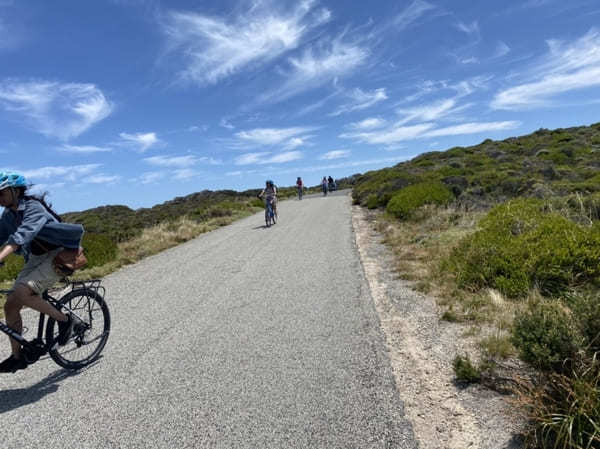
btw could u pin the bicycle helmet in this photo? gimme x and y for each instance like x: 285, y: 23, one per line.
x: 8, y: 179
x: 269, y: 182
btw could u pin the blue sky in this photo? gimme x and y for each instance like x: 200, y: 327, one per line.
x: 135, y: 102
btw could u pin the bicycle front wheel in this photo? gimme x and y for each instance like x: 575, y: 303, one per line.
x: 89, y: 335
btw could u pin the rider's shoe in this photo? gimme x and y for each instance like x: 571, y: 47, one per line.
x: 11, y: 364
x: 65, y: 329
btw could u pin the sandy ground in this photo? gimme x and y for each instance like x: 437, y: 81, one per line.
x: 421, y: 349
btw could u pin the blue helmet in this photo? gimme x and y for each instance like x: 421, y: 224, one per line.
x: 269, y: 182
x: 8, y: 179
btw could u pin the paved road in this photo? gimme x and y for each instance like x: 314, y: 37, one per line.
x: 245, y: 337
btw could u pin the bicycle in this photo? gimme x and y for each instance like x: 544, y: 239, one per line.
x: 85, y: 301
x: 270, y: 214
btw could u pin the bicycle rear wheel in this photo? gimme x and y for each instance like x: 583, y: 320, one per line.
x: 89, y: 336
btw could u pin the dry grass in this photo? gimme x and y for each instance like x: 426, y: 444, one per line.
x: 420, y: 246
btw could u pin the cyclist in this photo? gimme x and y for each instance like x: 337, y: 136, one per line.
x: 30, y: 228
x: 324, y: 185
x: 270, y: 194
x: 299, y: 186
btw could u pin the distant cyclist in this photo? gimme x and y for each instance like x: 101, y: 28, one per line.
x: 270, y: 194
x: 30, y: 228
x: 324, y: 183
x: 299, y: 186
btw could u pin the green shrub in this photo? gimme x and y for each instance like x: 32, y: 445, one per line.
x: 372, y: 201
x: 521, y: 245
x: 464, y: 370
x: 256, y: 202
x: 546, y: 335
x: 99, y: 249
x: 586, y: 310
x: 13, y: 264
x: 404, y: 203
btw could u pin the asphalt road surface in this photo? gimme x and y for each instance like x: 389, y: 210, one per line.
x: 245, y: 337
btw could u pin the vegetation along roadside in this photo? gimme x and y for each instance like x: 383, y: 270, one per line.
x: 507, y: 236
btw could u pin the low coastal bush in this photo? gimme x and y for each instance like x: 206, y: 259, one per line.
x: 99, y: 249
x: 546, y: 335
x: 403, y: 204
x: 13, y: 264
x: 521, y: 245
x: 464, y: 370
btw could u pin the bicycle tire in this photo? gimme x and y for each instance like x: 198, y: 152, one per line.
x: 89, y: 306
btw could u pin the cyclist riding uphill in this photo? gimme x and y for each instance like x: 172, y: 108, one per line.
x: 270, y: 194
x: 30, y: 228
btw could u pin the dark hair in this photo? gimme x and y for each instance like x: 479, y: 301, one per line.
x: 39, y: 198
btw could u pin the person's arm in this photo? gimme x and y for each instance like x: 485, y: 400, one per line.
x: 6, y: 251
x: 34, y: 219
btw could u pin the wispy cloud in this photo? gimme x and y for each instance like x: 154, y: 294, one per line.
x: 472, y: 128
x: 318, y: 65
x: 83, y: 149
x: 171, y: 161
x: 412, y: 13
x: 567, y: 67
x: 101, y: 179
x: 368, y: 123
x: 335, y: 154
x: 226, y: 124
x: 151, y: 177
x: 62, y: 110
x: 472, y: 28
x: 501, y: 50
x: 429, y: 112
x: 361, y: 100
x: 68, y: 173
x: 399, y: 133
x: 139, y: 141
x: 289, y: 138
x: 267, y: 158
x: 214, y: 48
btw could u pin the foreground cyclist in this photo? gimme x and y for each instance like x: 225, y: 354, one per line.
x: 30, y: 228
x: 270, y: 194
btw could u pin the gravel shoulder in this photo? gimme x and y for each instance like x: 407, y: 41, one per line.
x: 421, y: 349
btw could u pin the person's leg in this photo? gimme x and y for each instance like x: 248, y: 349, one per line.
x: 22, y: 296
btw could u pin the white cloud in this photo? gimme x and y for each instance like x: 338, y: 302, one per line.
x: 283, y: 157
x: 226, y: 124
x: 412, y: 13
x: 335, y: 154
x: 56, y: 110
x: 501, y: 50
x: 472, y: 28
x: 391, y: 135
x: 429, y: 112
x: 250, y: 158
x: 171, y: 161
x: 318, y: 65
x: 185, y: 173
x: 84, y: 149
x: 567, y: 67
x: 369, y: 123
x: 294, y: 142
x: 101, y: 179
x: 266, y: 158
x: 214, y: 48
x: 399, y: 133
x: 140, y: 141
x: 151, y: 177
x: 272, y: 136
x: 361, y: 100
x: 68, y: 173
x: 472, y: 128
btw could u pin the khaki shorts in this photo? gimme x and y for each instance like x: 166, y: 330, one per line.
x: 38, y: 273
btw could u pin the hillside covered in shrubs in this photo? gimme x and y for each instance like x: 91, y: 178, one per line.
x: 534, y: 202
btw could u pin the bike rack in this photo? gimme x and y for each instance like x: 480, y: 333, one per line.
x: 92, y: 285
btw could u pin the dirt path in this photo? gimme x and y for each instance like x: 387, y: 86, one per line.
x: 421, y: 349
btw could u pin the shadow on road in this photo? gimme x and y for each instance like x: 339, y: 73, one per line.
x: 13, y: 399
